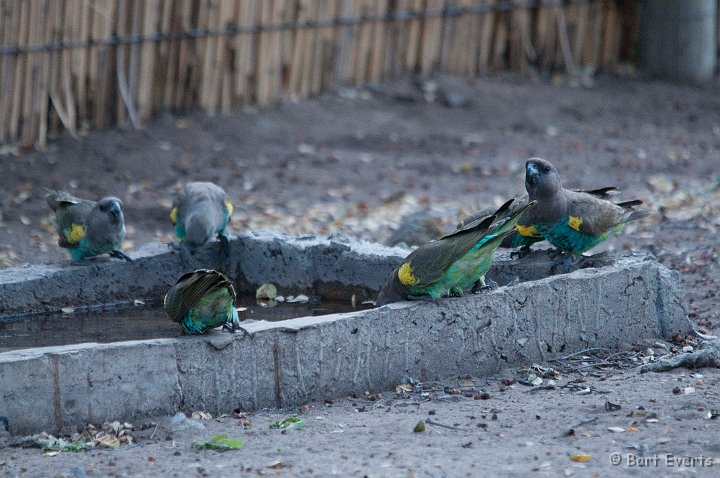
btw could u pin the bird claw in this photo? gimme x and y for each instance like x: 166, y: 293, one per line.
x: 562, y: 265
x: 184, y: 253
x: 225, y: 249
x: 520, y: 253
x: 120, y: 255
x: 224, y: 241
x: 232, y: 328
x: 484, y: 285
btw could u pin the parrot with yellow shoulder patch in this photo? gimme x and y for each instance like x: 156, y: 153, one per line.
x: 526, y: 234
x: 573, y: 221
x: 88, y: 228
x: 454, y: 262
x: 200, y: 211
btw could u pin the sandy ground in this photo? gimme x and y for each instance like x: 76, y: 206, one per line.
x: 494, y: 430
x: 357, y: 162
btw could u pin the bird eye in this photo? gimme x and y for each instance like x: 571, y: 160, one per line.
x: 545, y: 169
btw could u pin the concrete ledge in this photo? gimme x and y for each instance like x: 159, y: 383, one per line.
x: 624, y: 299
x: 334, y: 267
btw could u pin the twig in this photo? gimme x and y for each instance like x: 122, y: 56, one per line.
x: 431, y: 422
x: 587, y: 421
x: 154, y: 430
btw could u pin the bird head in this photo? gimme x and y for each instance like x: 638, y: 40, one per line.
x: 541, y: 178
x: 111, y: 206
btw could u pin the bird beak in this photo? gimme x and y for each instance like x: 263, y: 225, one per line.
x: 532, y: 173
x: 115, y: 210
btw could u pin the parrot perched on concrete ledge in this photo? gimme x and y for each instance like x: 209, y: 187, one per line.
x: 88, y: 228
x: 202, y: 300
x: 201, y: 210
x: 573, y: 221
x: 454, y: 262
x: 526, y: 234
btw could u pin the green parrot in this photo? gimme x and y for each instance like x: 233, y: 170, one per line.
x: 88, y: 228
x: 454, y: 262
x: 202, y: 300
x: 570, y: 220
x: 526, y: 234
x: 201, y: 211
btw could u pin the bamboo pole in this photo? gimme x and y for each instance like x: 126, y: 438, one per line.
x: 500, y: 41
x: 303, y: 50
x: 166, y: 59
x: 580, y: 37
x: 414, y: 30
x: 591, y: 52
x: 431, y: 38
x: 610, y: 37
x: 28, y: 90
x: 148, y: 58
x: 246, y: 48
x: 184, y: 21
x: 379, y: 41
x: 228, y: 13
x: 10, y: 35
x: 363, y: 45
x: 209, y: 88
x: 47, y: 23
x: 344, y: 36
x: 486, y: 38
x: 324, y: 62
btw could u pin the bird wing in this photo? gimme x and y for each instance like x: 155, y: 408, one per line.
x: 479, y: 217
x: 594, y: 216
x: 57, y: 198
x: 428, y: 263
x: 190, y: 288
x: 71, y: 218
x: 600, y: 193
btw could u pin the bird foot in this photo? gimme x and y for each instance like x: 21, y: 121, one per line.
x: 224, y: 250
x: 230, y: 327
x: 224, y: 242
x: 120, y: 255
x: 520, y: 253
x: 184, y: 254
x: 562, y: 265
x: 484, y: 285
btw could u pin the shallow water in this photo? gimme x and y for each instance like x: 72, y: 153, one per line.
x: 136, y: 323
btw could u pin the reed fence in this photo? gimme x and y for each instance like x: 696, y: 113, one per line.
x: 87, y: 64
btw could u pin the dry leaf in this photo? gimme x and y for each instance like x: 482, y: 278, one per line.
x: 580, y: 458
x: 199, y: 415
x: 266, y: 291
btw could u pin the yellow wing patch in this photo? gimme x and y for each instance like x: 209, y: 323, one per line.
x: 574, y: 222
x: 527, y: 231
x: 173, y: 215
x: 75, y: 234
x: 405, y: 274
x: 229, y: 207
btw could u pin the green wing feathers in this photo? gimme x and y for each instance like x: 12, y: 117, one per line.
x: 202, y: 300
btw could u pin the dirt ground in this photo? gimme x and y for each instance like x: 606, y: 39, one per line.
x: 357, y: 161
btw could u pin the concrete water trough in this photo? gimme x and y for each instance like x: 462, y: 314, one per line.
x: 622, y: 298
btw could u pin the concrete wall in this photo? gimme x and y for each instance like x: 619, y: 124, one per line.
x: 624, y: 299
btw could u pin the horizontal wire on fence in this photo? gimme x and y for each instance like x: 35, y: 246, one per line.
x: 447, y: 12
